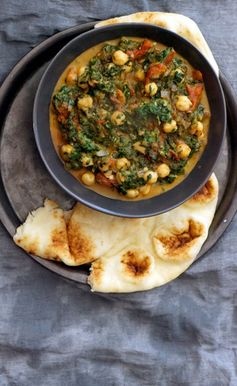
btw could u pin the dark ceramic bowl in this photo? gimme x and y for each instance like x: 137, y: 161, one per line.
x: 166, y: 200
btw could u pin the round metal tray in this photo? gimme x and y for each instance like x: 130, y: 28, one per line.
x: 24, y: 181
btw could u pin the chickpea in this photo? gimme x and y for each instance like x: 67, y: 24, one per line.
x: 122, y: 163
x: 120, y: 178
x: 71, y: 78
x: 85, y: 102
x: 81, y: 70
x: 121, y: 97
x: 183, y: 150
x: 93, y: 82
x: 170, y: 127
x: 132, y: 193
x: 151, y: 88
x: 197, y: 128
x: 183, y: 103
x: 111, y: 65
x: 144, y: 190
x: 120, y: 58
x: 118, y: 118
x: 140, y: 74
x: 127, y: 67
x: 66, y: 150
x: 88, y: 178
x: 81, y: 82
x: 178, y: 75
x: 163, y: 170
x: 86, y: 160
x: 102, y: 113
x: 150, y: 177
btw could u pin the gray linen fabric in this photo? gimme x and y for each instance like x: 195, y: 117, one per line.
x: 53, y: 332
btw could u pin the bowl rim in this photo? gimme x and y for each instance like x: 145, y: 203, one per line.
x: 124, y: 208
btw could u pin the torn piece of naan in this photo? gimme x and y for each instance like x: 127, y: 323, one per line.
x: 182, y: 25
x: 44, y: 233
x: 140, y: 254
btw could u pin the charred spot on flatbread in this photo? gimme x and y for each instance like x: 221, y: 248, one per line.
x: 176, y: 244
x: 80, y: 245
x: 32, y: 246
x: 207, y: 193
x: 58, y: 243
x: 136, y: 264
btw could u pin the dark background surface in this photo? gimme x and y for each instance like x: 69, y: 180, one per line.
x: 54, y: 332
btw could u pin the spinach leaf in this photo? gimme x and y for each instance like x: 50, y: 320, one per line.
x: 198, y: 114
x: 158, y: 108
x: 159, y: 56
x: 128, y: 44
x: 177, y: 167
x: 167, y: 180
x: 178, y: 77
x: 84, y: 77
x: 106, y: 86
x: 86, y: 143
x: 126, y: 91
x: 132, y: 181
x: 95, y: 69
x: 107, y: 52
x: 111, y: 71
x: 193, y: 142
x: 66, y: 96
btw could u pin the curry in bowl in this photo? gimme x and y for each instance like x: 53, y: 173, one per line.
x: 129, y: 118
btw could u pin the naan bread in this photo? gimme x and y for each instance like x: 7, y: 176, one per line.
x: 44, y: 233
x: 140, y: 254
x: 127, y: 254
x: 182, y: 25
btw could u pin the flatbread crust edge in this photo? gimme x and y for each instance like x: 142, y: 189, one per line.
x: 182, y: 25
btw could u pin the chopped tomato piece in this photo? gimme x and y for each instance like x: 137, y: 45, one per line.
x: 63, y: 111
x: 146, y: 45
x: 169, y: 57
x: 119, y: 99
x: 197, y: 75
x: 112, y: 162
x: 132, y: 91
x: 114, y: 99
x: 101, y: 179
x: 173, y: 154
x: 194, y: 92
x: 130, y: 53
x: 155, y: 70
x: 63, y: 114
x: 100, y: 121
x: 134, y: 105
